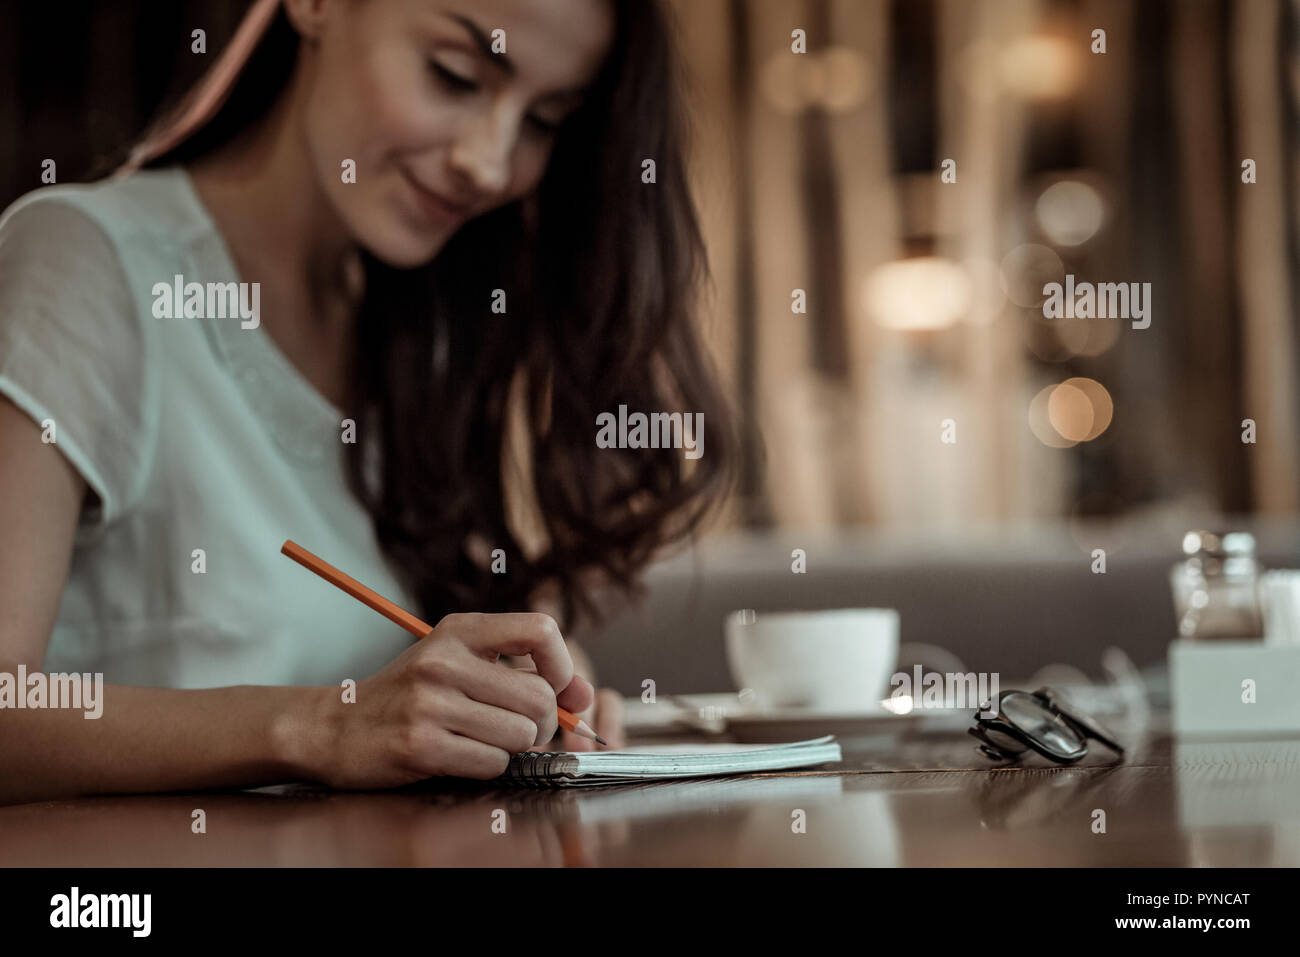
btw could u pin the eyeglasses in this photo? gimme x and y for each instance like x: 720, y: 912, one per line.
x: 1043, y: 720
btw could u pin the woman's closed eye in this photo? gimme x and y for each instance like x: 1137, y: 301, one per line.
x: 452, y: 80
x: 457, y: 84
x: 544, y: 127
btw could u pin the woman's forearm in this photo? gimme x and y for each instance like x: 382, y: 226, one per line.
x: 161, y: 739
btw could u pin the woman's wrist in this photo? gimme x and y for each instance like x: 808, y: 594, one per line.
x: 303, y: 732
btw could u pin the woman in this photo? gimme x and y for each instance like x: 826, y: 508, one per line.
x: 450, y: 260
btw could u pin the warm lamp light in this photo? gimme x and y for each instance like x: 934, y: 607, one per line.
x: 1040, y: 67
x: 926, y: 292
x: 1067, y: 413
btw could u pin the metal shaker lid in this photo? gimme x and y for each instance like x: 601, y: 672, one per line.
x: 1218, y: 544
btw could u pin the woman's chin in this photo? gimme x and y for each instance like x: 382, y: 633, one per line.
x: 402, y: 249
x: 390, y: 230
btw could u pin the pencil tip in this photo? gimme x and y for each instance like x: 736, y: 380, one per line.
x: 602, y: 741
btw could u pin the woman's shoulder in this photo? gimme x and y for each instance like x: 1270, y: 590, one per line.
x: 76, y: 349
x: 146, y: 204
x: 78, y: 257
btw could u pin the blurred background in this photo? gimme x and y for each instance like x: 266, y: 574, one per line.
x: 821, y: 172
x: 859, y: 301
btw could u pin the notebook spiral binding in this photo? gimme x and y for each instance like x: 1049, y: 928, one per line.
x: 531, y: 768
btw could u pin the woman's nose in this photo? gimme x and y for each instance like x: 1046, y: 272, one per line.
x: 482, y: 153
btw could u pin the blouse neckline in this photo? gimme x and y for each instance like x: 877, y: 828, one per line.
x: 302, y: 420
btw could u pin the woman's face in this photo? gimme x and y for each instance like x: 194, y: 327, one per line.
x: 441, y: 127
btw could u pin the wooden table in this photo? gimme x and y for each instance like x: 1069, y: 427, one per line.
x: 917, y: 798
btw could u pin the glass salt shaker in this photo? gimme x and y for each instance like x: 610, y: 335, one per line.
x: 1216, y: 587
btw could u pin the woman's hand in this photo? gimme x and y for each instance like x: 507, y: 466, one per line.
x: 445, y: 706
x: 605, y: 715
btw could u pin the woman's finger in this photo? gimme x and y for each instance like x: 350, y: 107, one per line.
x: 523, y: 692
x: 609, y: 717
x: 507, y: 730
x: 606, y: 718
x: 535, y: 635
x: 577, y: 698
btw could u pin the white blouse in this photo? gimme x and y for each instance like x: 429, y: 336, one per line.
x: 196, y: 434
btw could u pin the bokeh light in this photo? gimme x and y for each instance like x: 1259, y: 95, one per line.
x: 1069, y: 410
x: 1040, y: 423
x: 926, y: 292
x: 1102, y: 334
x: 846, y: 79
x: 1070, y: 212
x: 1042, y: 337
x: 1040, y: 67
x: 1100, y: 402
x: 1071, y: 333
x: 837, y: 79
x: 1067, y: 413
x: 1026, y: 269
x: 782, y: 83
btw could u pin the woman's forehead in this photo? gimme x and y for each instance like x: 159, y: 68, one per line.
x: 548, y: 43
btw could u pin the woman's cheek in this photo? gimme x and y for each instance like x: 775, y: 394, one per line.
x: 371, y: 124
x: 339, y: 129
x: 379, y: 103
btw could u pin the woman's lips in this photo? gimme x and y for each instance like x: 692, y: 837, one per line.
x: 434, y: 205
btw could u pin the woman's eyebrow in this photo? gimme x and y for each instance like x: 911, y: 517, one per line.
x: 502, y: 61
x: 484, y: 44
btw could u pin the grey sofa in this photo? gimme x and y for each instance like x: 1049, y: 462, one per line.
x: 1009, y: 598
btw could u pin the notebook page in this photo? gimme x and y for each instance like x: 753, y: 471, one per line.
x: 699, y: 758
x: 702, y: 749
x: 563, y: 768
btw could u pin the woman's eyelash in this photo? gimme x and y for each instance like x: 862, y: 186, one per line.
x: 458, y: 84
x: 453, y: 81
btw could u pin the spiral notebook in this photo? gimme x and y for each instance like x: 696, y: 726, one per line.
x: 660, y: 762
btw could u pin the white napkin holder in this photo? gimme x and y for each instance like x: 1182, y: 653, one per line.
x: 1234, y: 688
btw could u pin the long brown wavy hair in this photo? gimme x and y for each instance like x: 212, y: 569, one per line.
x: 468, y: 420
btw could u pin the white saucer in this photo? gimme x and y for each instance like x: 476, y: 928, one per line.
x: 719, y: 711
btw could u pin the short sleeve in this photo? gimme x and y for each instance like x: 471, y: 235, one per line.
x: 72, y: 350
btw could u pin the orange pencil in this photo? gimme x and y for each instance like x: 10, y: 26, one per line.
x: 568, y: 721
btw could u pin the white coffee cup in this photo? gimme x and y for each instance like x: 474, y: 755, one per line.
x: 838, y: 659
